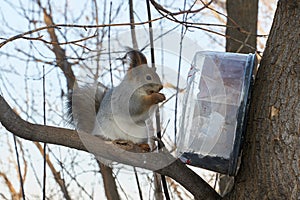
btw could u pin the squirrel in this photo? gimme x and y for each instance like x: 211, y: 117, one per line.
x: 121, y: 113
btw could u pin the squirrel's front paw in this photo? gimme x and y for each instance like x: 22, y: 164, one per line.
x: 158, y: 97
x: 153, y: 98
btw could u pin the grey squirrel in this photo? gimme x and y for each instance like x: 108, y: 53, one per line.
x: 122, y: 112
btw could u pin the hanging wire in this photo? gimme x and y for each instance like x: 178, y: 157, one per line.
x: 45, y: 144
x: 157, y: 115
x: 19, y: 167
x: 109, y: 46
x: 178, y: 74
x: 150, y: 34
x: 138, y: 183
x: 135, y: 46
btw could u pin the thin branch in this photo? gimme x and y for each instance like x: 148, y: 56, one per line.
x: 59, y: 52
x: 187, y: 24
x: 10, y: 186
x: 161, y: 8
x: 132, y: 26
x: 55, y: 173
x: 85, y: 27
x: 62, y: 43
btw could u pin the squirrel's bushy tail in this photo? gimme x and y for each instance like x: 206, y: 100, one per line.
x: 82, y: 106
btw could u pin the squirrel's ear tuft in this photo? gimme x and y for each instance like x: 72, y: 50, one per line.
x: 136, y: 58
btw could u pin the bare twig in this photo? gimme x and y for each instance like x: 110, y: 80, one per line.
x: 14, y: 194
x: 132, y: 26
x: 55, y: 173
x: 60, y: 53
x: 62, y: 43
x: 85, y: 27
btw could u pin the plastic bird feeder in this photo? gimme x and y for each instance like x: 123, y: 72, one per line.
x: 215, y: 108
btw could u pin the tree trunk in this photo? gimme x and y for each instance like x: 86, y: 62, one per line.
x: 271, y: 163
x: 244, y: 13
x: 109, y: 182
x: 242, y: 25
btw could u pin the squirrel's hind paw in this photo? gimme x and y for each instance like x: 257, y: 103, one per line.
x: 124, y: 144
x: 132, y: 147
x: 144, y: 148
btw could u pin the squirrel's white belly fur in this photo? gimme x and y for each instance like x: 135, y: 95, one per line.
x: 114, y: 122
x: 116, y: 129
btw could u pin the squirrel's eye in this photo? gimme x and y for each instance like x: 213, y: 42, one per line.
x: 148, y: 77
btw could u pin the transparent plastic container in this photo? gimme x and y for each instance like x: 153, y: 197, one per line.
x: 215, y: 108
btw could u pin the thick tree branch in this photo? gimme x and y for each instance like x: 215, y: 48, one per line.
x: 86, y: 142
x: 34, y: 132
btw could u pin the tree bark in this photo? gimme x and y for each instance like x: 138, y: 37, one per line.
x: 271, y: 163
x: 241, y: 25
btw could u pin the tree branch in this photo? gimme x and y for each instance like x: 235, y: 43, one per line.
x: 34, y: 132
x: 60, y: 53
x: 87, y: 142
x: 85, y: 27
x: 13, y: 192
x: 59, y: 180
